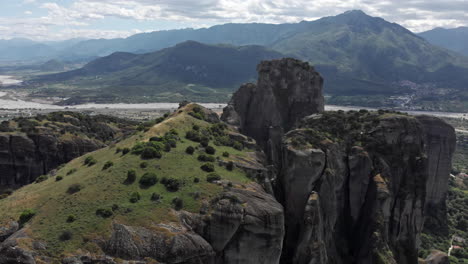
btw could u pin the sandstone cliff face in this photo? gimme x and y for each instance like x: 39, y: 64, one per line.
x: 25, y: 157
x: 287, y: 90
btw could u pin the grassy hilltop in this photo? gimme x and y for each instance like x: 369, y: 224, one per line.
x: 74, y: 209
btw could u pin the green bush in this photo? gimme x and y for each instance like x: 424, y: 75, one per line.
x: 107, y: 165
x: 196, y: 127
x: 90, y: 161
x: 59, y: 178
x: 206, y: 158
x: 177, y: 203
x: 226, y: 154
x: 196, y: 180
x: 171, y: 184
x: 208, y: 167
x: 135, y: 197
x: 167, y: 147
x: 41, y: 178
x: 66, y: 235
x: 204, y: 142
x: 144, y: 165
x: 157, y: 139
x: 210, y: 150
x: 74, y: 188
x: 71, y: 219
x: 155, y: 197
x: 150, y: 153
x: 131, y: 177
x: 230, y: 166
x: 104, y: 213
x: 125, y: 151
x: 190, y: 150
x: 70, y: 172
x: 148, y: 179
x: 26, y: 215
x: 238, y: 146
x: 212, y: 177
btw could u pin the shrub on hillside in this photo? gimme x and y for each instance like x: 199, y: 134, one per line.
x: 148, y: 179
x: 177, y: 203
x: 66, y: 235
x: 71, y: 218
x: 131, y: 177
x: 190, y: 150
x: 150, y: 153
x: 144, y: 165
x: 59, y: 178
x: 125, y: 151
x: 171, y: 184
x: 205, y: 158
x: 208, y: 167
x: 90, y: 161
x: 41, y: 178
x: 70, y: 172
x: 25, y: 216
x: 212, y: 177
x: 210, y: 150
x: 135, y: 197
x: 74, y: 188
x: 107, y: 165
x: 104, y: 213
x: 230, y: 166
x: 155, y: 197
x: 226, y: 154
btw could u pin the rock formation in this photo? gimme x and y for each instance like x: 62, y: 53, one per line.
x: 287, y: 90
x: 29, y: 149
x: 355, y: 186
x: 24, y: 157
x: 440, y: 141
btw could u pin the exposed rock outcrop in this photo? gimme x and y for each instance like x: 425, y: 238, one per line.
x: 287, y: 90
x: 440, y: 142
x: 242, y: 225
x: 437, y: 257
x: 24, y: 157
x: 355, y: 186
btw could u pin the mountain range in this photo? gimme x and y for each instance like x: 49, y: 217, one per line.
x: 455, y: 39
x: 360, y: 56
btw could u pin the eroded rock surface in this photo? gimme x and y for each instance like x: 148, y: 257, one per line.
x: 287, y: 90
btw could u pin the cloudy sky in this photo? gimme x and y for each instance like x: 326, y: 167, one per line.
x: 64, y: 19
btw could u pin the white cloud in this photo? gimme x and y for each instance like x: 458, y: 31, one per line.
x: 417, y: 15
x: 27, y: 12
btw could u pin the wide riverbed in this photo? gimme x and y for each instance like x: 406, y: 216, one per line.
x: 7, y: 104
x: 6, y: 80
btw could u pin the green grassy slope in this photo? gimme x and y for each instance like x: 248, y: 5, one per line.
x: 108, y: 189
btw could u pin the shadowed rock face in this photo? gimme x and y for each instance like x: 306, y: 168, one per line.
x: 287, y: 90
x: 23, y: 158
x: 355, y: 187
x: 440, y: 141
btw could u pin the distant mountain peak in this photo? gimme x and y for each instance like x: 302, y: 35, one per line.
x: 355, y: 12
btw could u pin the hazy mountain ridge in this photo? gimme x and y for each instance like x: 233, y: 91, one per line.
x: 188, y: 69
x: 455, y: 39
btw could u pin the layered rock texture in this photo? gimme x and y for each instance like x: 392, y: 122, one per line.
x: 357, y: 187
x: 287, y: 90
x: 30, y: 147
